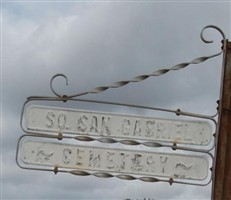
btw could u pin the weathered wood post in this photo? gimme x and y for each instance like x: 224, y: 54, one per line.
x: 222, y: 177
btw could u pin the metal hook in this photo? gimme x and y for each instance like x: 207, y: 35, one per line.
x: 51, y: 83
x: 214, y: 27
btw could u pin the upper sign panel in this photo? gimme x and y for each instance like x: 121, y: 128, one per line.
x: 72, y: 121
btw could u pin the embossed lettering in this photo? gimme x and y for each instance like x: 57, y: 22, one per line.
x: 82, y: 124
x: 136, y: 162
x: 43, y: 156
x: 110, y: 160
x: 94, y: 124
x: 123, y: 160
x: 94, y: 159
x: 106, y: 126
x: 62, y: 120
x: 187, y: 136
x: 54, y: 120
x: 179, y: 131
x: 183, y: 166
x: 137, y: 128
x: 160, y: 130
x: 163, y: 161
x: 125, y: 126
x: 79, y: 157
x: 122, y: 127
x: 67, y: 155
x: 202, y: 135
x: 149, y: 128
x: 51, y: 119
x: 151, y: 164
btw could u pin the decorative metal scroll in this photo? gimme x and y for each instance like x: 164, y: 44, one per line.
x: 61, y: 134
x: 141, y: 77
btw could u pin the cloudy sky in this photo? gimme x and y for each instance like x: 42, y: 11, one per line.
x: 96, y: 43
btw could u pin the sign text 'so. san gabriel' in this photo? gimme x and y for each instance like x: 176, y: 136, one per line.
x: 73, y: 121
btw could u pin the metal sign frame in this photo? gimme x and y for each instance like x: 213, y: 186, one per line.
x: 64, y: 98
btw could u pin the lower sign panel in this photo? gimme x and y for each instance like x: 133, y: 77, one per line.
x: 97, y: 159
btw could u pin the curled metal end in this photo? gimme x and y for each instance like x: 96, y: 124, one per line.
x: 214, y: 27
x: 51, y: 84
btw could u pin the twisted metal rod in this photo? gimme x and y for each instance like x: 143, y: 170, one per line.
x: 131, y: 142
x: 130, y: 177
x: 145, y: 76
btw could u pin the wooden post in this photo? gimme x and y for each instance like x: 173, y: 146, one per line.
x: 222, y: 178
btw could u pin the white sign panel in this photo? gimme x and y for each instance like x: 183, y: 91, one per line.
x: 50, y: 119
x: 114, y: 161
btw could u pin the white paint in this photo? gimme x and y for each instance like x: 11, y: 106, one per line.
x: 175, y: 166
x: 51, y: 119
